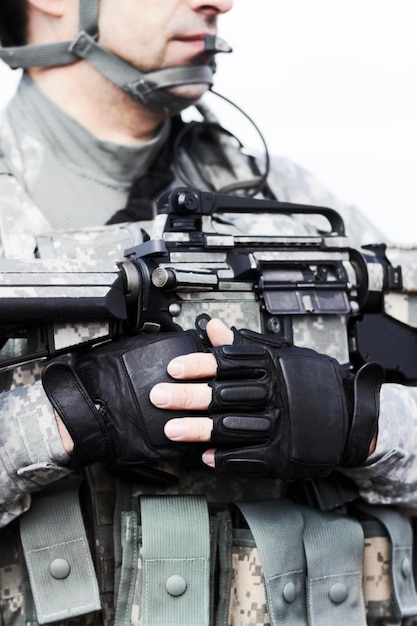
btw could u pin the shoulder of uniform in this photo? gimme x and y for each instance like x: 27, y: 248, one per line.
x: 4, y: 169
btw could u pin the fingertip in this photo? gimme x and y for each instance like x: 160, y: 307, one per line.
x: 208, y: 458
x: 218, y: 333
x: 176, y: 368
x: 159, y: 395
x: 174, y: 430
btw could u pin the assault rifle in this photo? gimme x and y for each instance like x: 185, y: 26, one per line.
x: 312, y: 290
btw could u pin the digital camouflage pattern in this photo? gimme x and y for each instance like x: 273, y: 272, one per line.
x: 32, y: 454
x: 376, y: 573
x: 248, y: 601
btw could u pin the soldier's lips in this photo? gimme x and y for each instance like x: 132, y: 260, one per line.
x: 190, y: 46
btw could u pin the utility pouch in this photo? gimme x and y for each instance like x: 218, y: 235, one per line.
x: 59, y: 564
x: 277, y: 527
x: 306, y: 567
x: 164, y: 577
x: 333, y: 547
x: 263, y: 563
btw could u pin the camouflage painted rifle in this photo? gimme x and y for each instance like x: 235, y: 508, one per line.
x: 313, y: 290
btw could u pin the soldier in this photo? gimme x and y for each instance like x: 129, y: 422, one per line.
x: 103, y: 519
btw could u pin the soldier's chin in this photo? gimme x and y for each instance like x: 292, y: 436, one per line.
x: 190, y: 92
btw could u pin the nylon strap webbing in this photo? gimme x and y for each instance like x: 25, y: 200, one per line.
x: 128, y: 570
x: 58, y: 558
x: 88, y: 16
x: 401, y: 537
x: 333, y: 547
x: 176, y: 561
x: 46, y: 55
x: 122, y: 73
x: 277, y: 527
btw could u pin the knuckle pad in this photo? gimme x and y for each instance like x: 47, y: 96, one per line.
x: 243, y: 360
x: 247, y: 462
x: 246, y: 423
x: 235, y: 394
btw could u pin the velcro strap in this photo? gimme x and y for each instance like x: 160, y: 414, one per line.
x: 367, y: 386
x: 176, y: 561
x: 58, y: 558
x: 277, y: 527
x: 317, y: 408
x: 78, y: 412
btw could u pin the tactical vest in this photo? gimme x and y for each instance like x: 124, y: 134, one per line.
x: 100, y: 549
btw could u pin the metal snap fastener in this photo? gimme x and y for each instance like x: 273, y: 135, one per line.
x: 289, y: 593
x: 406, y: 567
x: 338, y: 593
x: 176, y: 585
x: 59, y: 568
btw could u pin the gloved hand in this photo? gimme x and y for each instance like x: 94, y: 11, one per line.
x: 289, y: 412
x: 104, y: 399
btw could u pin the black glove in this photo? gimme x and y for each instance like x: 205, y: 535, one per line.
x: 104, y: 399
x: 289, y: 412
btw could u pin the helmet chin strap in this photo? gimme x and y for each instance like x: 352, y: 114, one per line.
x: 150, y: 88
x: 153, y: 89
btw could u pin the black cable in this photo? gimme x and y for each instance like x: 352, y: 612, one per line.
x: 188, y: 129
x: 255, y: 184
x: 264, y: 176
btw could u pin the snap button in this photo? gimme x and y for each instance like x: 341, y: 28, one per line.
x: 406, y: 567
x: 176, y: 585
x: 289, y: 593
x: 338, y: 593
x: 59, y: 568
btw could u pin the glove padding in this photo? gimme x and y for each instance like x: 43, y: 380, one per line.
x: 104, y: 399
x: 289, y: 412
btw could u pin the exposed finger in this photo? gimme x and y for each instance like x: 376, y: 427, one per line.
x: 190, y: 397
x: 208, y: 458
x: 196, y: 365
x: 218, y: 333
x: 189, y: 429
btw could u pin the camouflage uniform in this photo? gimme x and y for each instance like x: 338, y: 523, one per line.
x: 33, y: 459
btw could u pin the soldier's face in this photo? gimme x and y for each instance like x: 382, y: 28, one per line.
x: 153, y: 34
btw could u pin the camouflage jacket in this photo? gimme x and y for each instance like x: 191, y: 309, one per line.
x: 33, y: 458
